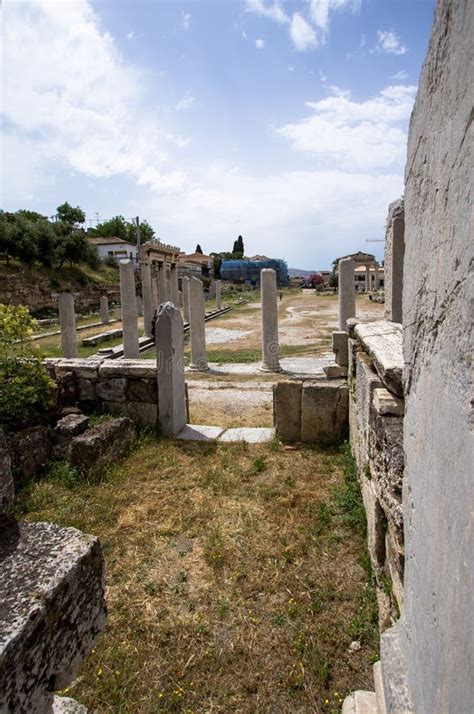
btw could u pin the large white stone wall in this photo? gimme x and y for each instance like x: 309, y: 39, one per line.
x: 437, y: 317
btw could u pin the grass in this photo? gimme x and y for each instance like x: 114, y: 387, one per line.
x: 226, y: 586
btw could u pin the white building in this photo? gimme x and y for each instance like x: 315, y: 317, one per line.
x: 115, y: 248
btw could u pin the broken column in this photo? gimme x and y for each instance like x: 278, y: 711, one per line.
x: 186, y: 299
x: 197, y: 316
x: 104, y: 309
x: 393, y: 263
x: 174, y: 285
x: 346, y: 292
x: 147, y: 298
x: 268, y: 286
x: 67, y: 322
x: 128, y: 302
x: 169, y: 340
x: 218, y: 285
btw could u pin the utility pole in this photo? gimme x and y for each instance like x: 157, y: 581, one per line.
x: 137, y: 221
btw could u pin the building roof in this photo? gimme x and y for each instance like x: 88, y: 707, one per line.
x: 359, y: 257
x: 195, y: 258
x: 109, y: 240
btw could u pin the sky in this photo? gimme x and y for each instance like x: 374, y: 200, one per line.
x: 283, y: 121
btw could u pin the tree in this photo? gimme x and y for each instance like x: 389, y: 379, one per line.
x: 118, y: 227
x: 146, y: 232
x: 198, y: 249
x: 316, y: 279
x: 238, y: 249
x: 69, y: 215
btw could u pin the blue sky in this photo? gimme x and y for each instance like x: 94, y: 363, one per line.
x: 285, y: 122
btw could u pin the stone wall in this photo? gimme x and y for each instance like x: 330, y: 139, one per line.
x: 34, y: 288
x: 434, y: 641
x: 376, y: 436
x: 119, y: 387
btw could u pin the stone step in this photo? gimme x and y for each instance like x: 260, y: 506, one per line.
x: 360, y: 702
x: 249, y: 435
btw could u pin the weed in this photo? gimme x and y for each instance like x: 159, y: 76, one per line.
x: 63, y: 474
x: 259, y: 465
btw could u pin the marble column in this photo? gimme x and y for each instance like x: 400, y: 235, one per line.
x: 155, y: 294
x: 169, y: 340
x: 346, y: 291
x: 67, y: 323
x: 139, y: 305
x: 268, y: 287
x: 376, y: 277
x: 104, y: 309
x: 174, y: 285
x: 197, y: 316
x: 218, y: 285
x: 147, y: 297
x: 162, y: 286
x: 186, y: 299
x: 128, y: 301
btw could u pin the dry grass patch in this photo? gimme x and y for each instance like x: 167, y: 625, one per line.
x: 234, y: 579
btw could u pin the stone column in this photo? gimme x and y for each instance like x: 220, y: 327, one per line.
x: 197, y: 316
x: 162, y: 286
x: 218, y: 285
x: 154, y: 294
x: 346, y: 292
x: 128, y: 302
x: 169, y: 340
x: 174, y: 285
x: 376, y: 276
x: 168, y: 283
x: 393, y: 263
x: 367, y: 278
x: 139, y: 305
x: 67, y: 322
x: 268, y: 287
x: 104, y: 309
x: 186, y: 299
x: 147, y: 298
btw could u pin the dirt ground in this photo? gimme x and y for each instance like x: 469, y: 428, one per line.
x: 236, y: 579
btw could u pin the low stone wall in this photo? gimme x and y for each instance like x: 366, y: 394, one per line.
x: 376, y: 436
x: 123, y: 388
x: 310, y: 411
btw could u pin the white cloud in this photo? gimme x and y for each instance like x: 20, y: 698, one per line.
x: 274, y: 11
x: 69, y: 96
x: 400, y: 76
x: 185, y: 102
x: 302, y: 34
x: 291, y: 68
x: 356, y: 136
x: 134, y: 36
x: 185, y: 20
x: 259, y: 43
x: 390, y: 43
x: 320, y: 11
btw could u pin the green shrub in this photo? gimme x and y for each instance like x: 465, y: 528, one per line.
x: 25, y: 388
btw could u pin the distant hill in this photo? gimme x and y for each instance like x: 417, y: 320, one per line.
x: 297, y: 273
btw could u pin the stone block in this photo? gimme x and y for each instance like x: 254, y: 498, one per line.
x: 53, y: 609
x: 196, y: 432
x: 340, y: 347
x: 102, y: 444
x: 142, y: 390
x: 375, y: 524
x: 382, y: 340
x: 385, y: 444
x: 66, y: 705
x: 366, y: 381
x: 85, y: 390
x: 287, y: 410
x: 335, y: 371
x: 65, y: 429
x: 395, y: 562
x: 360, y: 702
x: 142, y: 369
x: 30, y: 450
x: 386, y: 403
x: 251, y: 435
x: 112, y: 390
x: 324, y: 412
x: 350, y: 326
x: 143, y: 413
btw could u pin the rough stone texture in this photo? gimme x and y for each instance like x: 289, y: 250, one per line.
x: 6, y: 480
x: 65, y: 429
x: 398, y: 697
x: 393, y: 261
x: 197, y: 432
x: 334, y: 371
x: 250, y: 435
x: 324, y: 412
x: 270, y: 352
x: 142, y: 390
x: 346, y: 291
x: 287, y: 398
x: 147, y: 298
x: 102, y: 444
x: 112, y: 390
x: 438, y: 424
x: 382, y: 340
x: 339, y: 347
x: 366, y: 382
x: 30, y: 450
x: 128, y: 303
x: 386, y: 403
x: 67, y: 321
x: 53, y: 609
x: 145, y: 369
x: 142, y: 413
x: 104, y: 309
x: 197, y: 316
x: 170, y: 370
x: 66, y: 705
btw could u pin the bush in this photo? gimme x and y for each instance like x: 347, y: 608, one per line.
x: 26, y: 391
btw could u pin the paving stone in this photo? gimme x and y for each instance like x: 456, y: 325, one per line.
x: 251, y: 435
x: 197, y: 432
